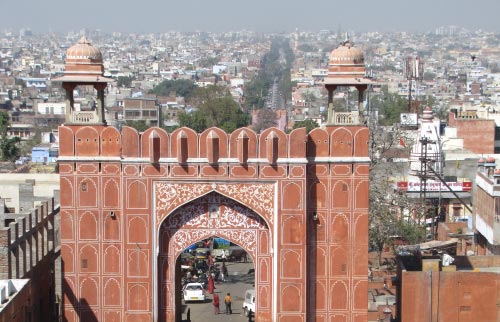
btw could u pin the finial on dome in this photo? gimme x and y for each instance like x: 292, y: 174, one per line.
x: 84, y: 40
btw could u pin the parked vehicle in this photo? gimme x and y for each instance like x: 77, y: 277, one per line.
x: 217, y: 253
x: 236, y: 253
x: 249, y: 302
x: 193, y: 292
x: 202, y: 253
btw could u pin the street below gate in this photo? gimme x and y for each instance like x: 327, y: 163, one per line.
x: 241, y: 278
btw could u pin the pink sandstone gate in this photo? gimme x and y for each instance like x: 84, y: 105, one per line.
x: 214, y: 214
x: 305, y: 197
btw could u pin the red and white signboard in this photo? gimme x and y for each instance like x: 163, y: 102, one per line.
x: 415, y: 186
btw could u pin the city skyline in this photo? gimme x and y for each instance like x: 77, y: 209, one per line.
x: 259, y: 15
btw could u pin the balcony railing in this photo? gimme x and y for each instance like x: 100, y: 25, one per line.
x: 346, y: 118
x: 87, y: 117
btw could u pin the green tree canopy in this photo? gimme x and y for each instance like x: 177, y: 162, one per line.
x: 4, y: 123
x: 139, y: 125
x: 181, y: 87
x: 389, y: 105
x: 9, y: 147
x: 222, y: 112
x: 307, y: 123
x: 124, y: 81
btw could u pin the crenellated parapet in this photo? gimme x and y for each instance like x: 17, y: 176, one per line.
x: 27, y: 240
x: 214, y: 146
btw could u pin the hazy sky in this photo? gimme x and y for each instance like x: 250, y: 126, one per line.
x: 258, y: 15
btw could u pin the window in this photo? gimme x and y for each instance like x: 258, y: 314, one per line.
x: 497, y: 133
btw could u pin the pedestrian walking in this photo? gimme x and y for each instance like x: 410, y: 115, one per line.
x: 215, y: 303
x: 227, y: 301
x: 224, y: 270
x: 211, y: 284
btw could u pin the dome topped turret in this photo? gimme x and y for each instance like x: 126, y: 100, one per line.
x: 83, y: 52
x: 347, y: 54
x: 84, y: 67
x: 83, y: 61
x: 346, y: 61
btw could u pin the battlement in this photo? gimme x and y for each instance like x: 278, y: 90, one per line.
x: 26, y: 239
x: 155, y: 145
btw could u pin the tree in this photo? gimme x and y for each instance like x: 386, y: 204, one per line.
x: 389, y: 105
x: 124, y: 81
x: 33, y: 141
x: 222, y: 112
x: 309, y: 124
x: 266, y: 118
x: 388, y: 207
x: 202, y: 95
x: 139, y: 125
x: 10, y: 149
x: 208, y: 62
x: 181, y: 87
x: 8, y: 146
x: 4, y: 123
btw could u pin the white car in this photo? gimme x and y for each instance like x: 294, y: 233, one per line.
x: 249, y: 302
x: 193, y: 292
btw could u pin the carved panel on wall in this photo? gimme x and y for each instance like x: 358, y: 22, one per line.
x: 233, y: 221
x: 292, y: 196
x: 87, y: 192
x: 259, y: 197
x: 137, y: 195
x: 111, y: 192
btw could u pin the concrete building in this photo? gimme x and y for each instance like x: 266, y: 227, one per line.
x: 487, y: 207
x: 480, y: 135
x: 15, y: 298
x: 141, y: 108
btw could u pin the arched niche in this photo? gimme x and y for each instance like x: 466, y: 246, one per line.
x: 87, y: 142
x: 111, y: 144
x: 341, y: 143
x: 318, y: 143
x: 164, y: 142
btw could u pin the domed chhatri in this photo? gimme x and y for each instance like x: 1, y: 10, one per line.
x: 346, y: 53
x: 83, y: 52
x: 83, y: 60
x: 346, y: 61
x: 346, y: 67
x: 84, y: 66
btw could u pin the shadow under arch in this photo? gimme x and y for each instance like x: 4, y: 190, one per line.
x: 210, y: 215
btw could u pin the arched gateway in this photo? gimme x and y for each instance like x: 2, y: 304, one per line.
x: 130, y: 202
x: 213, y: 214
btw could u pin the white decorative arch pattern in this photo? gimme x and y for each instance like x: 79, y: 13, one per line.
x: 193, y: 222
x: 259, y: 197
